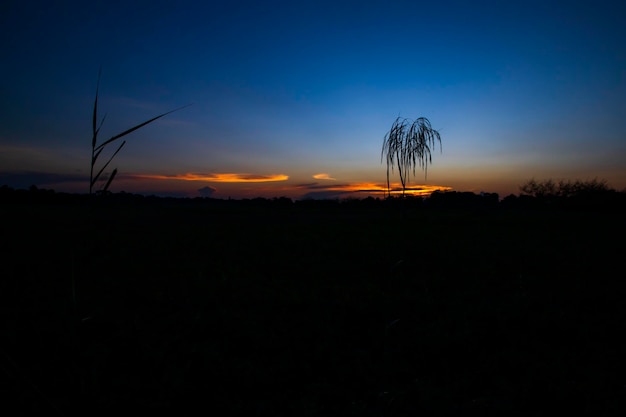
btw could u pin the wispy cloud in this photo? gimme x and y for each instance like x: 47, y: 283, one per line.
x: 223, y: 177
x: 323, y: 176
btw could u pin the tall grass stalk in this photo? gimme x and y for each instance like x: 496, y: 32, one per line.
x: 96, y: 149
x: 407, y: 145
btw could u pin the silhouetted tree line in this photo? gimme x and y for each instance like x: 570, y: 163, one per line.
x: 589, y: 195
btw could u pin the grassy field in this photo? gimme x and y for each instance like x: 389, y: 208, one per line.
x: 271, y: 308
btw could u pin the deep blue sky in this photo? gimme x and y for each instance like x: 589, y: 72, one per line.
x: 518, y: 90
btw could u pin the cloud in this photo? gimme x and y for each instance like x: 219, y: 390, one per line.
x: 225, y: 177
x: 323, y: 176
x: 207, y: 191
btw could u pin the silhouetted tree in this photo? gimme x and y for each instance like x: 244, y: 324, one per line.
x: 407, y: 145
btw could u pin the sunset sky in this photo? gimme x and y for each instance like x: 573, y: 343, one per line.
x: 293, y: 98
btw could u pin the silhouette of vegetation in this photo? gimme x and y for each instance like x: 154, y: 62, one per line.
x: 408, y: 145
x: 562, y: 188
x: 96, y: 149
x: 278, y: 307
x: 590, y: 195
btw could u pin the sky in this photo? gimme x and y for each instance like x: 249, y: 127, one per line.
x: 294, y: 98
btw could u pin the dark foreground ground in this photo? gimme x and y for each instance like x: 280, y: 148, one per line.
x: 281, y: 309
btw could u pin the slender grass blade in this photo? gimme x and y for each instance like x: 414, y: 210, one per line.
x: 113, y: 174
x: 132, y: 129
x: 95, y: 179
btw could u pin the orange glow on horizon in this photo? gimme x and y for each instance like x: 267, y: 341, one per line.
x: 226, y: 177
x: 419, y: 190
x: 378, y: 189
x: 244, y: 184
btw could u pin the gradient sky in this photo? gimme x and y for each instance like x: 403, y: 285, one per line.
x: 293, y: 98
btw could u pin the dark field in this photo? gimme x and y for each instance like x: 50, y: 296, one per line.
x: 273, y: 308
